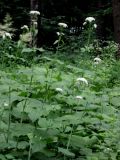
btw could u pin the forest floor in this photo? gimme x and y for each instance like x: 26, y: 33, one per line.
x: 58, y: 110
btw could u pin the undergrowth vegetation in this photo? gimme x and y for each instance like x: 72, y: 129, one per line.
x: 59, y: 106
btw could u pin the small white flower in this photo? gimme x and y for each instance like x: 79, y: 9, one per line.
x: 35, y: 23
x: 25, y: 27
x: 79, y: 97
x: 95, y: 25
x: 82, y: 80
x: 60, y: 33
x: 97, y: 59
x: 72, y: 30
x: 56, y: 42
x: 35, y: 13
x: 64, y: 25
x: 59, y: 89
x: 96, y: 63
x: 3, y: 36
x: 7, y: 35
x: 90, y: 19
x: 5, y: 104
x: 84, y: 23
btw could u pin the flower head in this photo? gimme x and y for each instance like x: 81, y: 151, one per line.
x: 59, y: 89
x: 35, y: 23
x: 79, y: 97
x: 7, y: 35
x: 84, y: 23
x: 60, y: 34
x: 56, y: 42
x: 89, y: 19
x: 95, y: 25
x: 81, y: 79
x: 37, y: 13
x: 97, y: 59
x: 96, y: 63
x: 64, y: 25
x: 25, y: 27
x: 6, y: 104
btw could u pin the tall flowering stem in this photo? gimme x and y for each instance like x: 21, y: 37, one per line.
x: 34, y: 26
x: 90, y: 22
x: 60, y: 34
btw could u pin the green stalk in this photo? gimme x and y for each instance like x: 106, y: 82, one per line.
x: 9, y: 120
x: 24, y: 106
x: 29, y: 153
x: 89, y: 35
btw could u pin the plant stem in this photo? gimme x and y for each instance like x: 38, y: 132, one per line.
x: 9, y: 120
x: 89, y: 35
x: 21, y: 121
x: 29, y: 153
x: 26, y: 99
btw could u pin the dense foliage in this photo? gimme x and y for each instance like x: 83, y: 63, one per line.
x: 60, y: 101
x: 47, y: 113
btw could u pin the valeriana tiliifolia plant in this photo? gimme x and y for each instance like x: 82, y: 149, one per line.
x: 89, y: 27
x: 23, y: 37
x: 60, y: 34
x: 34, y: 19
x: 5, y: 46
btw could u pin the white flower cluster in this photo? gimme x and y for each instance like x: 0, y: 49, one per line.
x: 95, y: 26
x: 64, y: 25
x: 25, y: 27
x: 60, y: 33
x: 6, y: 104
x: 7, y: 35
x: 83, y: 80
x: 97, y: 60
x: 59, y: 89
x: 90, y: 20
x: 37, y: 13
x: 35, y: 23
x: 79, y: 97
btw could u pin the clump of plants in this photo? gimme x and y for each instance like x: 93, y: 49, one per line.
x: 57, y: 109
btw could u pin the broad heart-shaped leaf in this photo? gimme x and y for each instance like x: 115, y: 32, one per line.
x: 2, y: 157
x: 22, y: 145
x: 45, y: 123
x: 9, y: 156
x: 115, y: 101
x: 115, y: 91
x: 40, y: 49
x: 49, y: 153
x: 77, y: 141
x: 21, y: 129
x: 5, y: 145
x: 66, y: 152
x: 28, y: 50
x: 38, y: 145
x: 34, y: 114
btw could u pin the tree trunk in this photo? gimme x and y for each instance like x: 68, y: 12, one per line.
x: 39, y: 36
x: 116, y: 20
x: 34, y: 5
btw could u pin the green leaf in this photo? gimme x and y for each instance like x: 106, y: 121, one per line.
x: 27, y: 50
x: 43, y: 123
x: 2, y: 157
x: 22, y: 129
x: 77, y: 141
x: 22, y: 145
x: 66, y: 152
x: 115, y: 101
x: 38, y: 145
x: 9, y: 156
